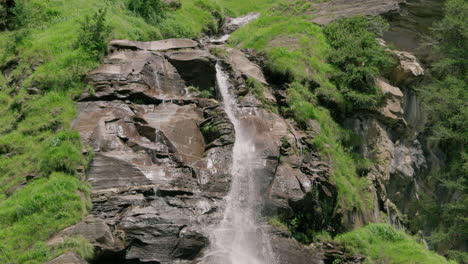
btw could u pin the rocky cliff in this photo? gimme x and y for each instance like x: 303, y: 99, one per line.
x: 162, y: 153
x: 162, y: 150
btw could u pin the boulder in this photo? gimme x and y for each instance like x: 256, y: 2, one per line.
x: 159, y: 45
x: 240, y: 63
x: 67, y: 258
x: 327, y: 12
x: 93, y: 229
x: 392, y: 111
x: 408, y: 69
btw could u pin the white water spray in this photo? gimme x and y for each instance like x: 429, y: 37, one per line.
x: 239, y: 238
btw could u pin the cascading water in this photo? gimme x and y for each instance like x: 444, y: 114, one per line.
x: 240, y: 238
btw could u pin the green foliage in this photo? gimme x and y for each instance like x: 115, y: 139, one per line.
x: 202, y: 93
x: 358, y: 58
x: 298, y: 51
x: 381, y: 243
x: 93, y: 34
x: 452, y: 34
x: 295, y: 48
x: 36, y: 211
x: 7, y: 15
x: 443, y: 207
x: 329, y: 142
x: 277, y: 222
x: 62, y: 153
x: 153, y: 11
x: 40, y: 252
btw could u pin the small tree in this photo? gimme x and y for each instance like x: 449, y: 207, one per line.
x: 153, y: 11
x: 93, y: 34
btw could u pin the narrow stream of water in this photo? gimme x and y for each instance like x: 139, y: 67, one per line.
x: 240, y: 238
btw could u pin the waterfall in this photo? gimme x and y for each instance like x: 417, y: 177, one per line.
x: 239, y: 238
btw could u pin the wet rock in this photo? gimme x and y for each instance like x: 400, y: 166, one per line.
x: 289, y: 251
x: 195, y: 66
x: 95, y: 230
x: 67, y: 258
x: 244, y: 66
x: 141, y: 76
x: 162, y: 156
x: 231, y: 24
x: 158, y: 174
x: 327, y: 12
x: 160, y: 45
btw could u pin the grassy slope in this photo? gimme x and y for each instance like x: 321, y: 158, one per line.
x: 381, y: 243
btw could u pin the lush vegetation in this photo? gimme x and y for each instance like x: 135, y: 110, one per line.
x: 297, y: 54
x: 49, y: 46
x: 358, y: 58
x: 381, y: 243
x: 444, y: 205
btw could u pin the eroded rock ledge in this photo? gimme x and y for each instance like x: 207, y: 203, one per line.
x: 162, y: 155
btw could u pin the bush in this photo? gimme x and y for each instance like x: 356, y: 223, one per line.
x: 93, y: 33
x: 153, y: 11
x: 62, y: 154
x: 358, y: 59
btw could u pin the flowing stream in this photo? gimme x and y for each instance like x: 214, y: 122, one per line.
x: 240, y: 238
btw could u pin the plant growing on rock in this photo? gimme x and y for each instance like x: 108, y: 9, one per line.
x: 358, y: 59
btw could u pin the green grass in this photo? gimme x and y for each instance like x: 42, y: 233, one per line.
x: 383, y: 244
x: 293, y: 46
x: 38, y: 210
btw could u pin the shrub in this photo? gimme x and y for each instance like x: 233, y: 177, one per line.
x: 93, y: 33
x: 153, y: 11
x: 358, y: 59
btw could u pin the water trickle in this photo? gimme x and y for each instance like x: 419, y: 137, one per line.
x: 240, y: 238
x: 234, y: 24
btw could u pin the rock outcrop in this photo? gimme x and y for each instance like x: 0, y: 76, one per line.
x: 327, y: 12
x: 390, y: 138
x: 67, y: 258
x: 162, y: 155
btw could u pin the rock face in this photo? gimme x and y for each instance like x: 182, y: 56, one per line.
x: 390, y: 138
x: 329, y: 11
x: 162, y: 155
x: 67, y: 258
x: 409, y: 26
